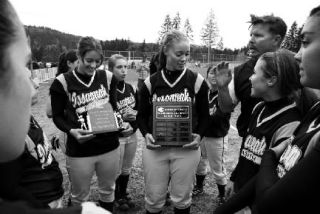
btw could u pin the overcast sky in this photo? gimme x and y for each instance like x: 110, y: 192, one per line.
x: 141, y: 19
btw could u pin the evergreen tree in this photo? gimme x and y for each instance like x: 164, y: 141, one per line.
x: 143, y: 46
x: 220, y: 44
x: 176, y: 22
x: 187, y: 29
x: 165, y: 27
x: 292, y: 38
x: 210, y: 32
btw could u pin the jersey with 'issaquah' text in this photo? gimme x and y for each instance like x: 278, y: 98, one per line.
x: 269, y: 122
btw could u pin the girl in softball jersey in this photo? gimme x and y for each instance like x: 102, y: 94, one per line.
x: 179, y: 164
x: 275, y: 79
x: 272, y: 121
x: 214, y: 143
x: 72, y: 94
x: 127, y: 103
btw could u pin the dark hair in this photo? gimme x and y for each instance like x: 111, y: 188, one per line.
x: 9, y: 26
x: 154, y: 64
x: 112, y: 61
x: 70, y: 56
x: 209, y: 68
x: 283, y: 65
x: 315, y: 11
x: 276, y: 24
x: 166, y: 42
x: 87, y: 44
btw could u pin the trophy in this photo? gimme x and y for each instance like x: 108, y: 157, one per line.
x: 102, y: 119
x: 172, y: 123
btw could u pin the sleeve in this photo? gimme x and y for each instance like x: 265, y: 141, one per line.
x: 245, y: 197
x: 134, y: 124
x: 283, y: 133
x: 234, y: 172
x: 202, y: 109
x: 144, y: 110
x: 232, y: 92
x: 59, y: 101
x: 294, y: 192
x: 113, y: 92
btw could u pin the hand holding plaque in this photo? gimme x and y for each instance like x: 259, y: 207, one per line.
x: 127, y: 131
x: 150, y: 142
x: 195, y: 143
x: 102, y: 119
x: 81, y: 135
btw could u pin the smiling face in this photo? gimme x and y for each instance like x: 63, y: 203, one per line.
x: 120, y: 69
x: 308, y: 56
x: 15, y: 98
x: 177, y: 55
x: 89, y: 62
x: 258, y: 80
x: 262, y: 40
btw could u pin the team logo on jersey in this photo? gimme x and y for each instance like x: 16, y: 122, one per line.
x: 41, y: 151
x: 126, y: 102
x: 253, y: 149
x: 212, y: 110
x: 176, y: 97
x: 288, y: 159
x: 85, y: 98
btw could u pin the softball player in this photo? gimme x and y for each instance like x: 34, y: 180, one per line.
x: 174, y: 82
x: 214, y: 143
x: 275, y: 79
x: 127, y: 105
x: 143, y: 71
x: 72, y: 94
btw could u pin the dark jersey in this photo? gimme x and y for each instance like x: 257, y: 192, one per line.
x: 41, y: 175
x: 187, y: 87
x: 72, y: 113
x: 300, y: 140
x: 242, y: 88
x: 127, y: 97
x: 268, y: 123
x: 275, y: 193
x: 297, y: 190
x: 219, y: 124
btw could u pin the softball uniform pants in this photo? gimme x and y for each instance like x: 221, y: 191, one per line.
x: 214, y: 151
x: 81, y: 170
x: 177, y: 163
x: 128, y: 148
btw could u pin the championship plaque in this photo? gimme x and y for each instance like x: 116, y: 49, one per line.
x: 102, y: 119
x: 172, y: 123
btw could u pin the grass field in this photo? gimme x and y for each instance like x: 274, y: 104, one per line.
x: 203, y: 204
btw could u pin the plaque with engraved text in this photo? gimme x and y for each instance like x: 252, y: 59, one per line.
x: 172, y: 123
x: 102, y: 119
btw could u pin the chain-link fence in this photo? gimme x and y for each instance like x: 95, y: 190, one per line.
x: 194, y: 56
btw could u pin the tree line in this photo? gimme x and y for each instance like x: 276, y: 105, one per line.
x: 47, y: 44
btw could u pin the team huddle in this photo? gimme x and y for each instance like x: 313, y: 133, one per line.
x: 279, y: 158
